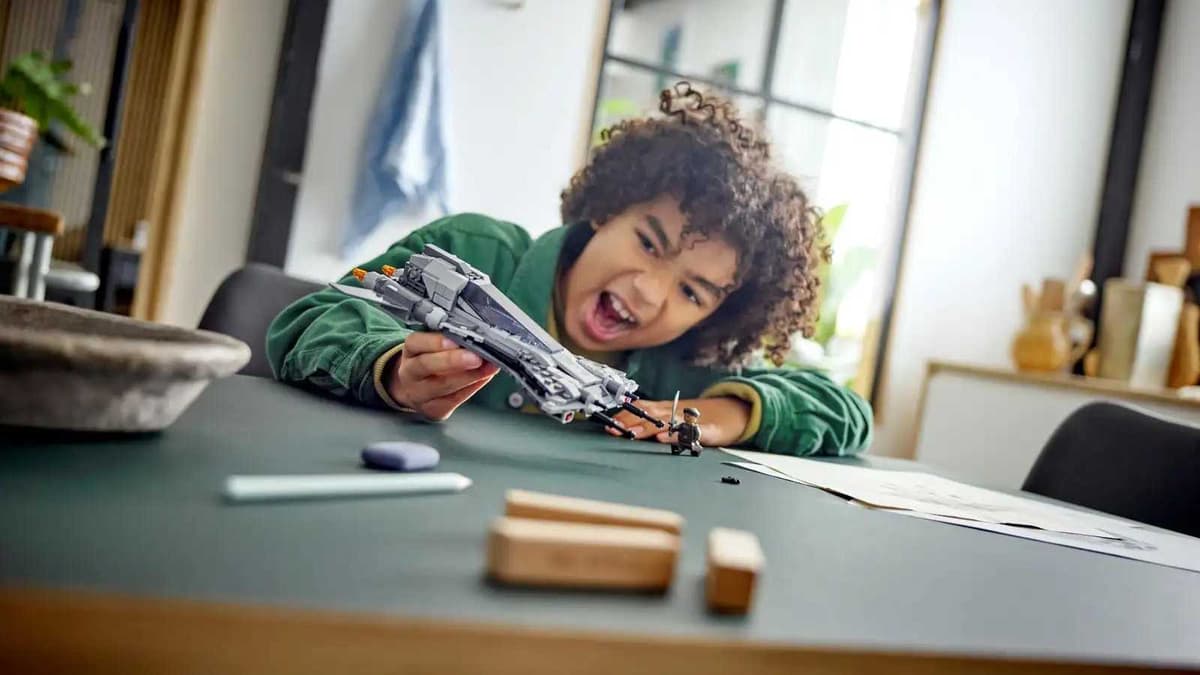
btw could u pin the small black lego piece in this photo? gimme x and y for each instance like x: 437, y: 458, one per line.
x: 730, y: 480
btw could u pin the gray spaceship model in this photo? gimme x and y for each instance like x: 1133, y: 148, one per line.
x: 438, y: 291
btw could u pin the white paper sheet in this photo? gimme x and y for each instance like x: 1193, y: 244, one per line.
x: 1133, y: 540
x: 1121, y: 538
x: 926, y: 493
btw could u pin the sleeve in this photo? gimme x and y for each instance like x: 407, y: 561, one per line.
x: 799, y: 412
x: 341, y: 345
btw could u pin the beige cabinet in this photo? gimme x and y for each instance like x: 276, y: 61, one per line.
x: 987, y: 425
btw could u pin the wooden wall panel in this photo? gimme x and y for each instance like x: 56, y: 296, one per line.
x: 160, y: 102
x: 143, y: 118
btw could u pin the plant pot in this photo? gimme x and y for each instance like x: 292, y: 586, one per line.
x: 40, y: 168
x: 18, y: 133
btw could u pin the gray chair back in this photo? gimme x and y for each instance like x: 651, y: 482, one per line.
x: 246, y: 302
x: 1124, y: 462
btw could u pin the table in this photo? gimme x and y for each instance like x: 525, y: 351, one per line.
x: 117, y: 554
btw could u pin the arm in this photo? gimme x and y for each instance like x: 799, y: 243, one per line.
x: 342, y: 345
x: 800, y: 412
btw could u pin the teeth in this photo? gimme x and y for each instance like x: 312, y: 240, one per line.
x: 621, y: 310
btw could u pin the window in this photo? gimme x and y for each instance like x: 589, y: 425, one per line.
x: 838, y: 86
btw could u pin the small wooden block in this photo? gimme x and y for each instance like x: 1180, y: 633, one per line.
x: 734, y: 561
x: 548, y: 553
x: 542, y: 506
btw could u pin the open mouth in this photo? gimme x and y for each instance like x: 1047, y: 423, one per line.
x: 609, y: 318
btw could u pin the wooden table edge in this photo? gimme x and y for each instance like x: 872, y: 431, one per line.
x: 57, y: 631
x: 29, y: 219
x: 1093, y: 385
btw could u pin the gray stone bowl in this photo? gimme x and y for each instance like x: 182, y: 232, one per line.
x: 67, y: 368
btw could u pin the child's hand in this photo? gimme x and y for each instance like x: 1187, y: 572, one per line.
x: 723, y: 419
x: 434, y: 376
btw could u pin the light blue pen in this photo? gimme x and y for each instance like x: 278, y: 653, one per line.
x: 268, y: 488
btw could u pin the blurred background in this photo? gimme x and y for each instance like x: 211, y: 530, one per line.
x: 986, y: 167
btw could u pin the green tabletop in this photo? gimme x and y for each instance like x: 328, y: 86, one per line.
x: 143, y: 515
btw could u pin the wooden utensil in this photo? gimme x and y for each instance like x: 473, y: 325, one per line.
x: 1192, y: 248
x: 1029, y: 298
x: 1171, y: 270
x: 1054, y: 294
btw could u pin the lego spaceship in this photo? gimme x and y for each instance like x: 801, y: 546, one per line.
x: 438, y: 291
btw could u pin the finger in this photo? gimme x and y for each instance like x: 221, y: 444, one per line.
x: 656, y: 409
x: 432, y: 364
x: 627, y: 419
x: 663, y: 437
x: 423, y: 343
x: 633, y: 423
x: 643, y: 431
x: 437, y: 387
x: 440, y: 409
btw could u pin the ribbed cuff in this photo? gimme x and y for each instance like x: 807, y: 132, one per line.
x: 377, y: 374
x: 744, y: 392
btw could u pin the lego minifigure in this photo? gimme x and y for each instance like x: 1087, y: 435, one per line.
x: 687, y: 433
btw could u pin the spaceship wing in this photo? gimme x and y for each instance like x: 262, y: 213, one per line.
x: 361, y: 293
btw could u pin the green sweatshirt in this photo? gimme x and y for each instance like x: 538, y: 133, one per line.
x: 341, y: 344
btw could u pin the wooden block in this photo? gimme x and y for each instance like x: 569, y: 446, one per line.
x: 542, y: 506
x: 734, y: 561
x: 1139, y: 322
x: 548, y: 553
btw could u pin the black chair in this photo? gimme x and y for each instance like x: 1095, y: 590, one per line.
x: 1124, y: 462
x: 245, y: 304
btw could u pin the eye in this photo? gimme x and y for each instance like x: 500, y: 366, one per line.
x: 647, y: 245
x: 691, y: 294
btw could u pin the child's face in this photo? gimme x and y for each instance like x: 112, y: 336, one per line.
x: 636, y: 285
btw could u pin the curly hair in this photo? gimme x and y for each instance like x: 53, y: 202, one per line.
x: 719, y: 168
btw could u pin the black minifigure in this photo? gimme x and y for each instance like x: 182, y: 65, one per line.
x: 687, y: 433
x: 730, y: 480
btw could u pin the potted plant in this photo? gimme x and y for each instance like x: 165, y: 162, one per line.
x: 34, y: 95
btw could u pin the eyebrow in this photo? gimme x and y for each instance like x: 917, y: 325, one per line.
x: 659, y: 233
x: 716, y: 291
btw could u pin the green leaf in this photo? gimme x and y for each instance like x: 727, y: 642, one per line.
x: 831, y: 224
x: 71, y: 120
x: 832, y: 221
x: 38, y: 87
x: 844, y: 275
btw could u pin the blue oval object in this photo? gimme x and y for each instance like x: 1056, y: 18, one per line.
x: 399, y: 456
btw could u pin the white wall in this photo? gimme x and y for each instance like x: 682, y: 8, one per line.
x: 1169, y: 178
x: 1009, y: 175
x: 519, y: 87
x: 234, y: 102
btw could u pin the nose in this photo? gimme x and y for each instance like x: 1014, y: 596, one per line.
x: 650, y: 290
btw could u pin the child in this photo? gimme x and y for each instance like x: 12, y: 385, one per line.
x: 684, y: 251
